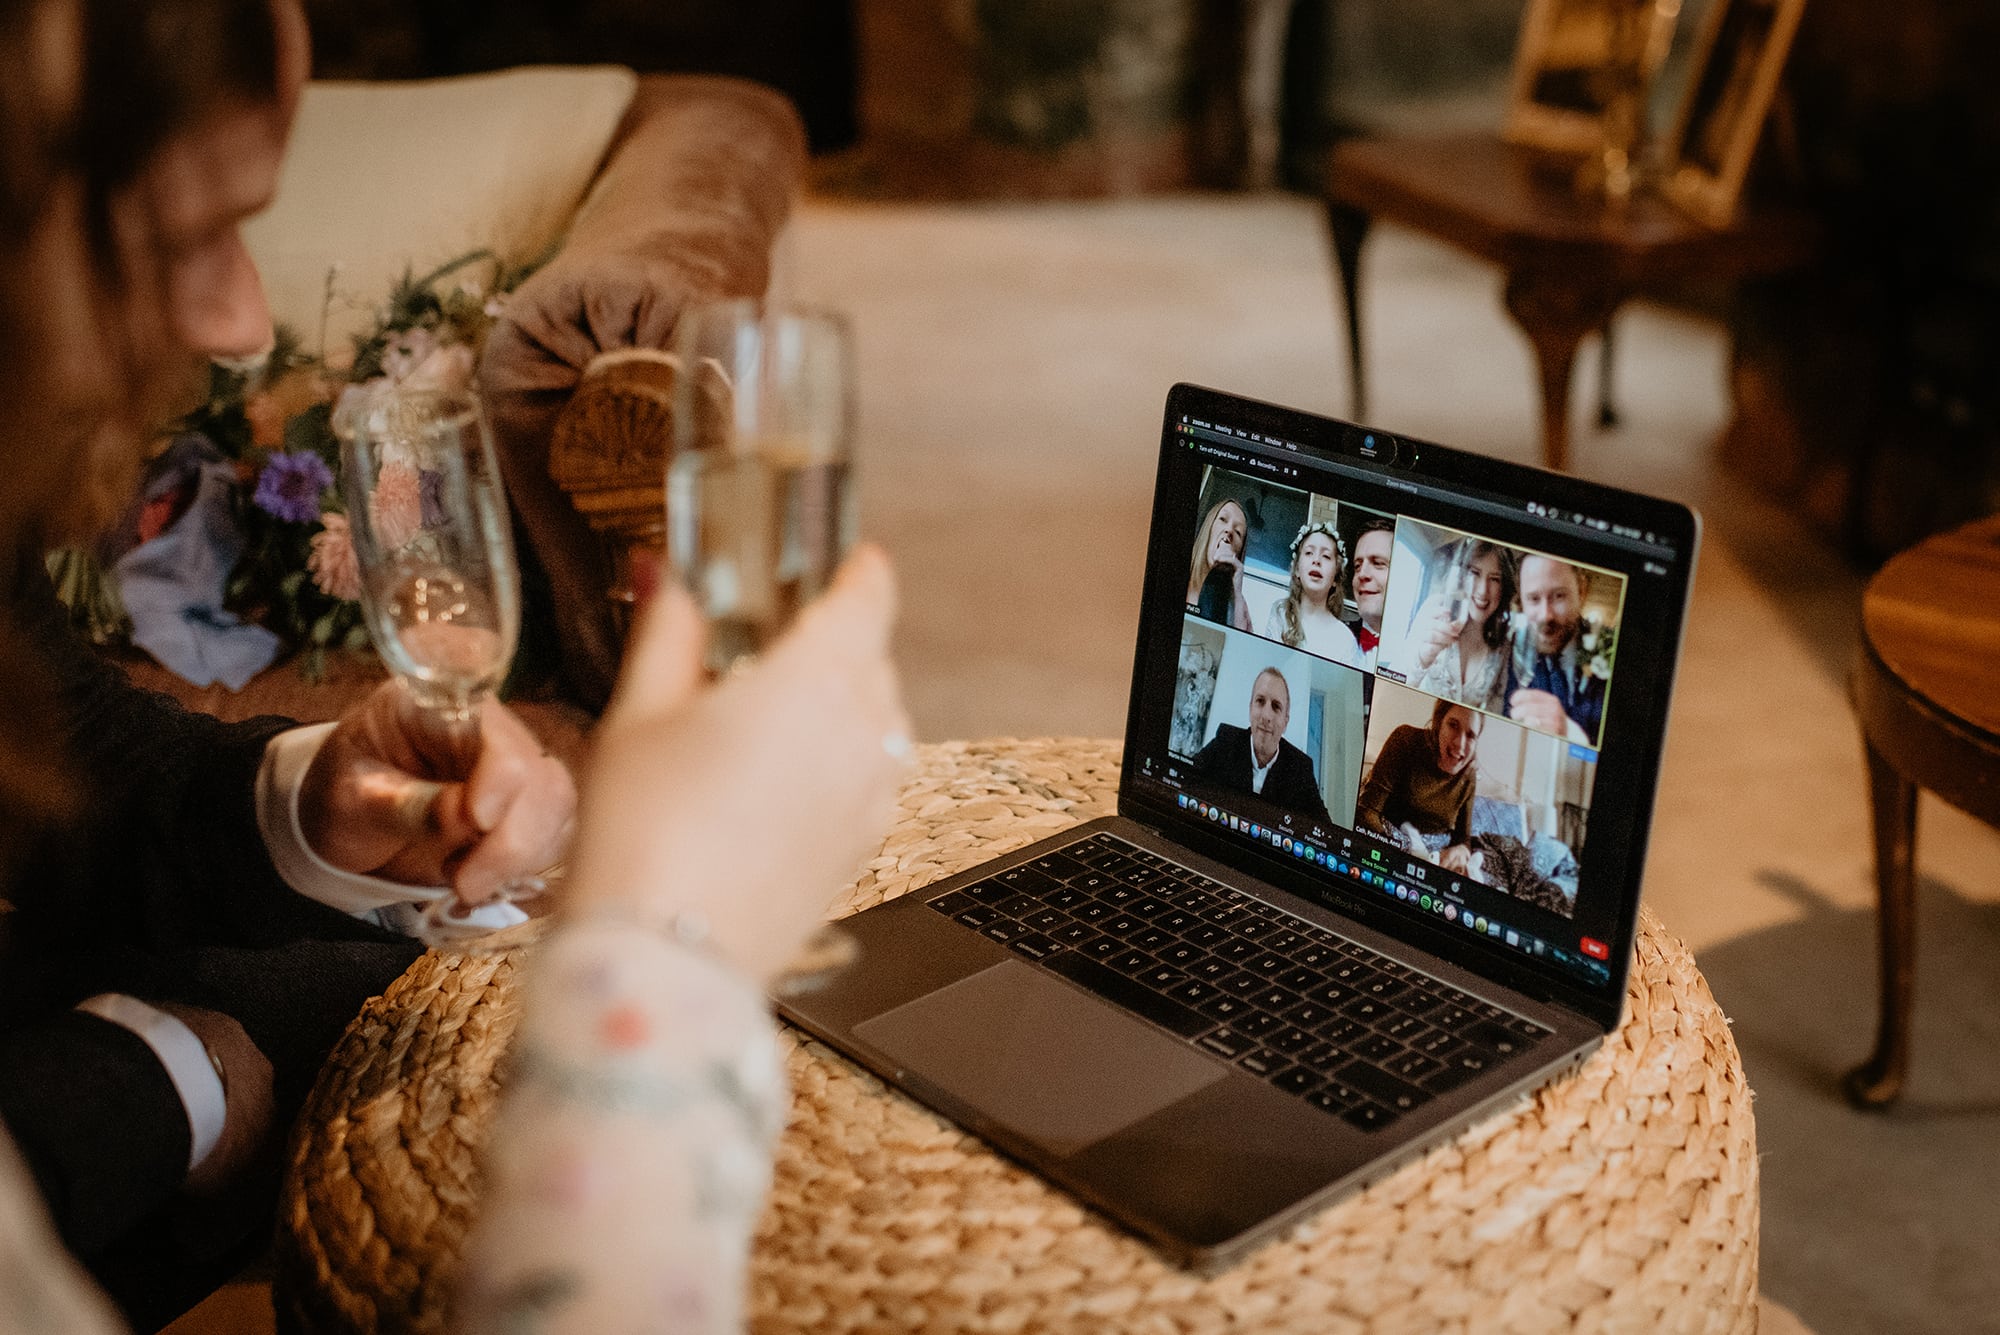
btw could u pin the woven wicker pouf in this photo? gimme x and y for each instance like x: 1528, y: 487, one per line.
x: 1621, y: 1198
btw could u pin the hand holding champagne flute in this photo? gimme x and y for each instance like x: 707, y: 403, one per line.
x: 439, y: 584
x: 760, y: 496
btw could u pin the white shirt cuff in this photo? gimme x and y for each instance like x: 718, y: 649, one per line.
x: 186, y: 1060
x: 287, y: 757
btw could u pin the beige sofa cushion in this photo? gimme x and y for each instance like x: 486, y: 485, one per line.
x: 387, y: 176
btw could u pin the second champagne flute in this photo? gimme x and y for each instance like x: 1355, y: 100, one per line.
x: 439, y: 584
x: 760, y: 493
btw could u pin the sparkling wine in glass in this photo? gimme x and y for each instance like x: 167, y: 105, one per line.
x: 439, y: 584
x: 1460, y: 581
x: 760, y: 501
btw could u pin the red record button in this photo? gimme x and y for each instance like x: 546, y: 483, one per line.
x: 1594, y: 948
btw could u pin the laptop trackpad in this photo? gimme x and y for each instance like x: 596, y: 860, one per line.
x: 1038, y: 1057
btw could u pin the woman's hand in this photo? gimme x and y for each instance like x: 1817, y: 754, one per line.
x: 1432, y: 630
x: 748, y: 802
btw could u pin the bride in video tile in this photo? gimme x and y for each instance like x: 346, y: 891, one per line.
x: 1460, y: 637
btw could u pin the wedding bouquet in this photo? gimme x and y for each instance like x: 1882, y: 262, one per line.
x: 239, y: 545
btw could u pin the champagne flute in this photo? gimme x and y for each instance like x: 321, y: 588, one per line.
x: 760, y: 494
x: 760, y: 498
x: 439, y: 584
x: 1461, y: 583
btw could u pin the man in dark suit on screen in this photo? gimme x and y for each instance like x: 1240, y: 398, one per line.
x: 1259, y: 760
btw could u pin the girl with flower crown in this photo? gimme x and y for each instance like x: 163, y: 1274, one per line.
x: 1309, y: 616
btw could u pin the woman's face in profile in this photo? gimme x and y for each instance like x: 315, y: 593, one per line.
x: 1318, y: 565
x: 1225, y: 536
x: 1485, y: 586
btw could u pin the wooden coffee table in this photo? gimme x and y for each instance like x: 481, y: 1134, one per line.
x: 1926, y: 692
x: 1622, y: 1197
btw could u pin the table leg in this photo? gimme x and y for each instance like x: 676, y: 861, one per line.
x: 1555, y: 312
x: 1349, y: 229
x: 1892, y: 801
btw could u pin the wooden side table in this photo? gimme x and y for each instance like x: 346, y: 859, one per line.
x: 1926, y: 692
x: 1623, y: 1197
x: 1570, y: 262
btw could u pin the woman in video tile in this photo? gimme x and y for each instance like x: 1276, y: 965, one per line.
x: 1308, y: 617
x: 1460, y: 635
x: 1423, y: 784
x: 1215, y: 578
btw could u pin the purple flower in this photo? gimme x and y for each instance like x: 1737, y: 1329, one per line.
x: 291, y: 484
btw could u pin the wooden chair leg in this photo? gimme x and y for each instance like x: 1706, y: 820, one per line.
x: 1877, y: 1082
x: 1349, y: 229
x: 1555, y: 312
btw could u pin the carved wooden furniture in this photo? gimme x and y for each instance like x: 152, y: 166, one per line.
x: 1925, y: 695
x: 686, y: 208
x: 1570, y: 262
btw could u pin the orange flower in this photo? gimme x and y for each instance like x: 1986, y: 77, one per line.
x: 267, y: 420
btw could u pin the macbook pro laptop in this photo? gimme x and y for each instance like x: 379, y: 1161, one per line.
x: 1396, y: 722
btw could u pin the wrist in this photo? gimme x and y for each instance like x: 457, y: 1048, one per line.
x: 754, y: 950
x: 192, y: 1066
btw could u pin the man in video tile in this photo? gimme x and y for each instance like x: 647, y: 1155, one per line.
x: 1259, y: 760
x: 1423, y: 784
x: 1370, y: 581
x: 1550, y: 685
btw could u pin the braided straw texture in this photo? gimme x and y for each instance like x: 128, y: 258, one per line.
x: 1621, y: 1198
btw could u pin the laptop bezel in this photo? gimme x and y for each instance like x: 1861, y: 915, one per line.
x: 1394, y: 456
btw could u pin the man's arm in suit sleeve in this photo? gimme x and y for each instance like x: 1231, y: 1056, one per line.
x: 1317, y: 808
x: 1209, y: 762
x: 171, y: 832
x: 97, y: 1120
x: 1302, y: 792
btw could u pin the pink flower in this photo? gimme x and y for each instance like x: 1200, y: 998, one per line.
x: 398, y: 505
x: 333, y: 564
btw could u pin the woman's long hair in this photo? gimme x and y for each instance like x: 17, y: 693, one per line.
x: 1198, y: 569
x: 94, y: 88
x: 1293, y: 631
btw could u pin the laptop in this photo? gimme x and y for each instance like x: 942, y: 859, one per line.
x: 1395, y: 728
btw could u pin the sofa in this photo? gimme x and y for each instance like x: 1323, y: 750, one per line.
x: 634, y: 195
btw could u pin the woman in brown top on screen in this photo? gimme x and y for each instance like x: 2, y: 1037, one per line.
x: 1423, y: 784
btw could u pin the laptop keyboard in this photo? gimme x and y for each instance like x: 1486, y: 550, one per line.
x: 1341, y: 1026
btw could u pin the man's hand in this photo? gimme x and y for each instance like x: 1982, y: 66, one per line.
x: 1539, y: 710
x: 389, y: 795
x: 246, y: 1089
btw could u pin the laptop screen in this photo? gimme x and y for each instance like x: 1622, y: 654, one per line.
x: 1423, y: 687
